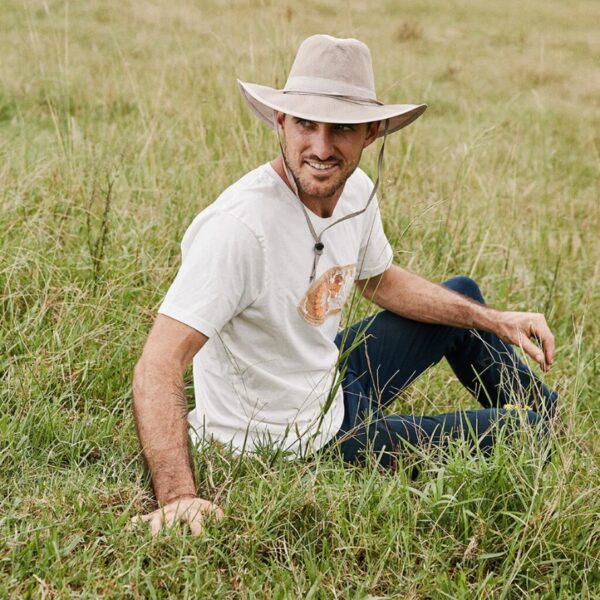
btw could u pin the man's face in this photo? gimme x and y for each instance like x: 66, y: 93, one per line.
x: 321, y: 156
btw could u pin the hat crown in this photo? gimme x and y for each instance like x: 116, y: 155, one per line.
x: 328, y: 65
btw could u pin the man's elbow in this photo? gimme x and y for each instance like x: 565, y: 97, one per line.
x: 373, y: 289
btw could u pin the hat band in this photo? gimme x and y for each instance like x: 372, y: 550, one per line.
x: 330, y: 87
x: 353, y: 99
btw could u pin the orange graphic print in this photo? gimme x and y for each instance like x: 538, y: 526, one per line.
x: 326, y: 296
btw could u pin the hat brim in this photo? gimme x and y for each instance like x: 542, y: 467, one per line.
x: 265, y: 101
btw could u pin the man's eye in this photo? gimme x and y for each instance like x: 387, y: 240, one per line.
x: 344, y: 127
x: 304, y: 122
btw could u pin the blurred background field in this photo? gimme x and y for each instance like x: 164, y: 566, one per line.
x: 119, y: 121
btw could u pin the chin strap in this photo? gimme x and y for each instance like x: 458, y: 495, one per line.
x: 319, y: 245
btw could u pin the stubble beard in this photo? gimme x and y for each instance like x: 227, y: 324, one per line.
x: 307, y: 187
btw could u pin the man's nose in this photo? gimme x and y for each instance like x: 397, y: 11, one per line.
x: 322, y: 142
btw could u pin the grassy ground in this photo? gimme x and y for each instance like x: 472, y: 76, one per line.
x: 118, y: 122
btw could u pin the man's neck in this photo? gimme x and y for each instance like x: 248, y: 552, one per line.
x: 322, y: 207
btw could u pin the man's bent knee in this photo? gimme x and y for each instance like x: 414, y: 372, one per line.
x: 465, y: 286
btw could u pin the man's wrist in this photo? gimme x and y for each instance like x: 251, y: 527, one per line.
x: 175, y: 497
x: 170, y: 484
x: 485, y: 318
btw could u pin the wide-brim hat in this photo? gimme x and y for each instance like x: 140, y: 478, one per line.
x: 331, y: 81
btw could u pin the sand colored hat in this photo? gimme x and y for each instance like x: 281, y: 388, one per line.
x: 331, y: 81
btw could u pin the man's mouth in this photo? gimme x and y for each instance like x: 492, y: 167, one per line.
x: 321, y: 166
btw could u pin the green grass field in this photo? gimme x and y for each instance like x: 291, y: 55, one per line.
x: 119, y: 121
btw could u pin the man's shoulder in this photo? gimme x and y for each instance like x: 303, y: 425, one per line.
x: 255, y: 199
x: 242, y: 204
x: 256, y: 186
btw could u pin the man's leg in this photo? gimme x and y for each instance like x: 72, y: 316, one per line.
x: 391, y: 352
x: 365, y: 430
x: 384, y: 353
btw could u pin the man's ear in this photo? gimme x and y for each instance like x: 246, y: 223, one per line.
x: 372, y: 131
x: 279, y: 119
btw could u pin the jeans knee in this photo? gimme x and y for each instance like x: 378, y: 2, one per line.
x: 541, y: 426
x: 535, y: 420
x: 466, y: 286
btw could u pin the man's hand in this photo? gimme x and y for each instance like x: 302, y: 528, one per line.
x: 411, y: 296
x: 190, y: 510
x: 519, y: 328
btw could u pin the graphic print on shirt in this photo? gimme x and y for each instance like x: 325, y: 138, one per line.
x: 327, y: 295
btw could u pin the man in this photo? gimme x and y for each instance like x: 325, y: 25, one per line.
x: 265, y: 273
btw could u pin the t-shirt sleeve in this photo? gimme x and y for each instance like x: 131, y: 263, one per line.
x: 376, y: 254
x: 221, y: 273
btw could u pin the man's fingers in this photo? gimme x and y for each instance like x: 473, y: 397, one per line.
x: 550, y: 354
x: 549, y: 347
x: 542, y: 334
x: 143, y: 518
x: 531, y: 333
x: 156, y: 522
x: 192, y: 512
x: 171, y: 517
x: 532, y: 350
x: 196, y: 525
x: 196, y: 516
x: 207, y: 509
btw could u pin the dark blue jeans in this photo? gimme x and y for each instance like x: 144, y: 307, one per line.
x: 385, y: 353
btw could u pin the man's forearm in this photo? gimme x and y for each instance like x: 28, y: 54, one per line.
x: 414, y: 297
x: 411, y: 296
x: 161, y: 419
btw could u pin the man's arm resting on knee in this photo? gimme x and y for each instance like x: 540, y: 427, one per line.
x: 413, y: 297
x: 161, y: 418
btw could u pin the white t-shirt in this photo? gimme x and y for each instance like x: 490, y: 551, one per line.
x: 265, y: 374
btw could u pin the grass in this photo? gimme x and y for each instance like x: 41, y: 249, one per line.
x: 119, y: 121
